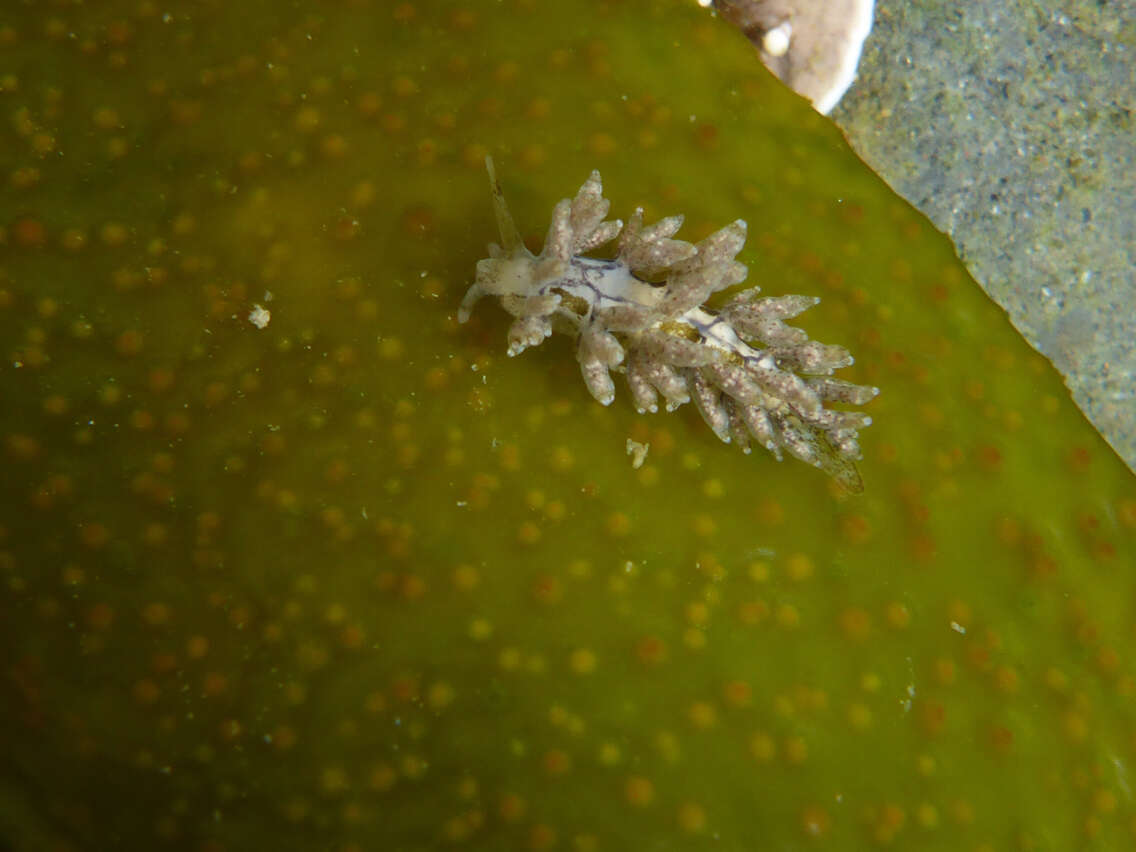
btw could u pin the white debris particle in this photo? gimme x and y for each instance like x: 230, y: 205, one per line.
x: 776, y: 41
x: 958, y: 628
x: 259, y: 316
x: 638, y: 453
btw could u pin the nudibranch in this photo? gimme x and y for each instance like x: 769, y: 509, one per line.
x: 643, y: 313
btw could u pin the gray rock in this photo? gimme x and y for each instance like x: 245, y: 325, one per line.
x: 1010, y: 125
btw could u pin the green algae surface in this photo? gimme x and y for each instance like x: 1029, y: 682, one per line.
x: 355, y: 580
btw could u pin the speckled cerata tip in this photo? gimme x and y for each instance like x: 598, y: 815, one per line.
x: 752, y: 377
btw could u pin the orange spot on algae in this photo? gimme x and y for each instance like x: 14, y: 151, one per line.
x: 702, y: 715
x: 1108, y: 661
x: 799, y: 567
x: 859, y: 716
x: 737, y: 693
x: 763, y: 747
x: 638, y: 791
x: 541, y: 837
x: 25, y: 177
x: 795, y: 750
x: 347, y: 227
x: 855, y: 529
x: 651, y: 650
x: 1126, y: 512
x: 706, y: 137
x: 927, y: 815
x: 945, y: 671
x: 532, y: 156
x: 758, y: 571
x: 509, y: 457
x: 697, y: 613
x: 511, y: 807
x: 582, y: 661
x: 490, y: 107
x: 473, y: 156
x: 214, y: 684
x: 22, y: 447
x: 703, y: 525
x: 196, y: 647
x: 886, y: 452
x: 601, y: 144
x: 1078, y: 459
x: 93, y: 535
x: 100, y: 617
x: 888, y: 822
x: 463, y: 20
x: 460, y: 828
x: 931, y: 716
x: 753, y: 612
x: 556, y: 762
x: 230, y: 730
x: 815, y: 821
x: 164, y: 663
x: 787, y: 616
x: 709, y: 566
x: 962, y: 812
x: 691, y: 817
x: 307, y: 119
x: 898, y: 615
x: 856, y: 623
x: 528, y: 533
x: 694, y: 638
x: 1006, y: 680
x: 129, y: 343
x: 352, y: 636
x: 414, y: 766
x: 141, y: 420
x: 561, y: 459
x: 156, y: 614
x: 440, y: 695
x: 1000, y: 738
x: 989, y: 458
x: 418, y: 221
x: 146, y: 691
x: 29, y: 233
x: 978, y: 656
x: 465, y: 578
x: 114, y: 234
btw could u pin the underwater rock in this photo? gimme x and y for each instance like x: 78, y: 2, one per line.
x: 1010, y: 126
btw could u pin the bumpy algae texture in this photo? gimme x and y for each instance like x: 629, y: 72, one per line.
x: 356, y: 580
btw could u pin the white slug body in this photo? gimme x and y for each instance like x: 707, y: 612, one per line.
x: 753, y: 378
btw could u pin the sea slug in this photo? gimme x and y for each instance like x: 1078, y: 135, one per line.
x: 643, y: 313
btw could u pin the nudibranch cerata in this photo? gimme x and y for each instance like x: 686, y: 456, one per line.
x: 644, y: 313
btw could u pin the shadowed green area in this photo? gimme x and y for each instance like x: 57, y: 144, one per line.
x: 355, y: 580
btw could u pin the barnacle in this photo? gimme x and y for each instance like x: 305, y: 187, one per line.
x: 753, y: 378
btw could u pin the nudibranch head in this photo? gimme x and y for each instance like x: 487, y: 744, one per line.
x: 643, y: 313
